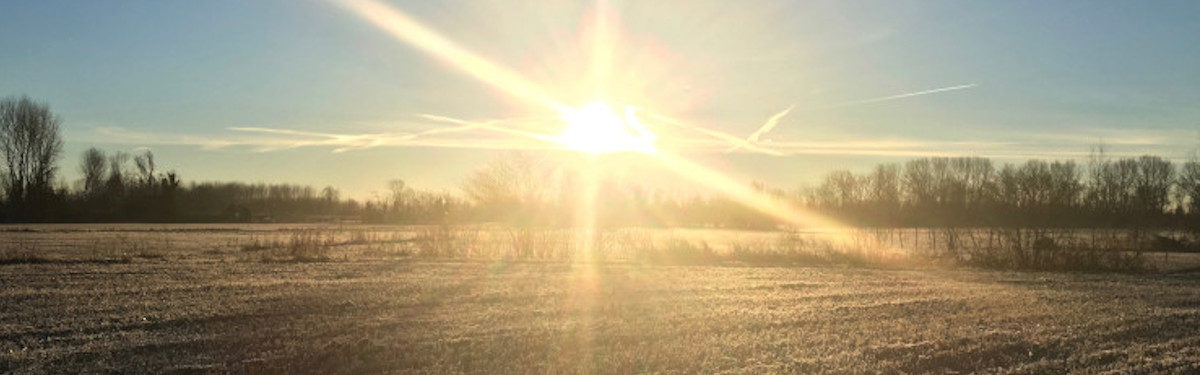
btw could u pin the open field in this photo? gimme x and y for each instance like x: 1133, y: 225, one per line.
x: 356, y: 317
x: 200, y: 305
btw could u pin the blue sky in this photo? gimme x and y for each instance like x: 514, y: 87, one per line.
x: 1047, y: 79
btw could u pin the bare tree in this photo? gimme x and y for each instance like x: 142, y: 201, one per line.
x: 1007, y: 189
x: 517, y: 188
x: 884, y: 190
x: 146, y: 168
x: 330, y: 195
x: 92, y: 166
x: 1189, y: 185
x: 1034, y: 184
x: 842, y: 190
x: 517, y: 179
x: 115, y: 184
x: 1152, y: 184
x: 401, y: 195
x: 30, y: 145
x: 1065, y: 187
x: 917, y: 182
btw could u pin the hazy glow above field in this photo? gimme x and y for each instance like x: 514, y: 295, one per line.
x: 596, y: 129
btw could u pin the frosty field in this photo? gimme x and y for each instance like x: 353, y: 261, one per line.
x: 195, y: 308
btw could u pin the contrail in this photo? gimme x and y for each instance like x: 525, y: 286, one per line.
x: 733, y: 139
x: 345, y: 142
x: 774, y: 120
x: 771, y: 122
x: 283, y: 132
x: 902, y: 96
x: 465, y: 125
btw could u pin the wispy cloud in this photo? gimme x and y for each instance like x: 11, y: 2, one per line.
x: 489, y: 134
x: 751, y: 142
x: 679, y: 135
x: 497, y: 125
x: 770, y: 124
x: 901, y: 96
x: 1072, y: 144
x: 340, y: 142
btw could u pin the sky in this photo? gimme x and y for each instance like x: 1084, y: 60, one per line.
x: 313, y: 92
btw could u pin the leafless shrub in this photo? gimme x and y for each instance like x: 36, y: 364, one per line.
x: 306, y: 245
x: 445, y: 241
x: 388, y: 250
x: 785, y: 250
x: 393, y: 244
x: 628, y: 244
x: 1013, y: 249
x: 261, y: 242
x: 541, y: 244
x: 1045, y: 251
x: 125, y: 248
x: 677, y: 251
x: 317, y: 244
x: 20, y: 251
x: 794, y: 249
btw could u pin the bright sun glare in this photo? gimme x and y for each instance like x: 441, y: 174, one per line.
x: 596, y: 128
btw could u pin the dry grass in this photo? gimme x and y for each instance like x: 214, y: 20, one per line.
x: 1067, y: 251
x: 20, y: 251
x: 487, y: 317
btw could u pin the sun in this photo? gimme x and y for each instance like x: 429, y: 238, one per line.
x: 596, y: 128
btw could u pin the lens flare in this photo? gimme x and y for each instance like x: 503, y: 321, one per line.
x: 399, y: 25
x: 596, y: 128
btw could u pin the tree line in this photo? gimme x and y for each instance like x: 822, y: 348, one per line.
x: 129, y: 187
x: 523, y: 189
x: 933, y: 192
x: 1145, y: 191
